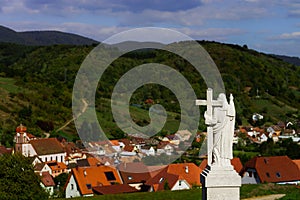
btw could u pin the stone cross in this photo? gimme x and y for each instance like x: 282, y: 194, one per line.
x: 210, y: 120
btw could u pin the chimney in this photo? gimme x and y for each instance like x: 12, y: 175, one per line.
x: 187, y: 169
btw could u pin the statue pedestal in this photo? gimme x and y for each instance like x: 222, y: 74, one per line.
x: 220, y: 183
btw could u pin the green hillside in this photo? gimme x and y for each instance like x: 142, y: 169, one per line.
x: 40, y: 38
x: 36, y: 86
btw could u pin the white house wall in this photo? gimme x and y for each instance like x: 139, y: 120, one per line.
x: 253, y: 179
x: 28, y: 150
x: 72, y: 189
x: 60, y: 157
x: 181, y: 185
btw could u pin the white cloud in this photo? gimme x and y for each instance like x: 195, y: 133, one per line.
x: 289, y: 36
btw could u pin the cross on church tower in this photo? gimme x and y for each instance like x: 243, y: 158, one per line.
x: 210, y: 120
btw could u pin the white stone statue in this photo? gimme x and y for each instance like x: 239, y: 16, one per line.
x: 223, y: 131
x: 219, y: 180
x: 220, y: 118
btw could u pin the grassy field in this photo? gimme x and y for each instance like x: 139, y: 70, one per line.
x: 138, y: 115
x: 8, y: 84
x: 292, y: 192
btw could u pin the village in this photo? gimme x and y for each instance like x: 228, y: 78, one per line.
x: 117, y: 166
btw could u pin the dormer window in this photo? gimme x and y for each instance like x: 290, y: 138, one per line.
x: 161, y: 179
x: 110, y: 176
x: 278, y: 175
x: 89, y: 186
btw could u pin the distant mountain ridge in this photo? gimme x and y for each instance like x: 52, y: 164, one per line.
x: 289, y: 59
x: 42, y: 38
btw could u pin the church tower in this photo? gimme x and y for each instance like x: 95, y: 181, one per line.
x: 20, y: 138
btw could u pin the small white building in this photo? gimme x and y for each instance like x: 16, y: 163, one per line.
x: 149, y: 151
x: 47, y: 183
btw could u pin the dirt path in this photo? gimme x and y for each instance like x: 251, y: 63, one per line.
x: 85, y: 105
x: 268, y: 197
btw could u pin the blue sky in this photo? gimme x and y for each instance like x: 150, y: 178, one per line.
x: 271, y: 26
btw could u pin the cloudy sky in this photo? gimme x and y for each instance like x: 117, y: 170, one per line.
x: 271, y: 26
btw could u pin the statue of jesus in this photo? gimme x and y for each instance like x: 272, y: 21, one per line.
x: 223, y: 131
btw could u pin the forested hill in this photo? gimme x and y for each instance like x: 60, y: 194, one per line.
x: 36, y: 86
x: 289, y: 59
x: 42, y: 38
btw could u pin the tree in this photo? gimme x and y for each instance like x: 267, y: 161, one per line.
x: 18, y: 180
x: 60, y: 181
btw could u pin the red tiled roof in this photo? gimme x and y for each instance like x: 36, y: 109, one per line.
x: 93, y: 161
x: 88, y: 177
x: 274, y: 169
x: 136, y: 172
x: 297, y: 162
x: 70, y: 148
x: 162, y: 144
x: 114, y: 189
x: 21, y: 129
x: 30, y: 136
x: 128, y: 148
x: 158, y: 181
x: 4, y: 150
x: 47, y: 146
x: 47, y: 179
x: 54, y: 165
x: 188, y: 171
x: 114, y: 142
x: 38, y: 167
x: 154, y: 170
x: 235, y: 162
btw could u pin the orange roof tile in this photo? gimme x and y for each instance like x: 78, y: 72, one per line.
x: 88, y: 177
x: 274, y: 169
x: 93, y: 161
x: 297, y: 162
x: 54, y: 165
x: 237, y: 164
x: 188, y: 171
x: 114, y: 142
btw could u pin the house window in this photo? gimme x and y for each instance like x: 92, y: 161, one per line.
x: 45, y: 159
x: 161, y: 179
x: 51, y: 158
x: 110, y: 176
x: 72, y: 186
x: 61, y: 159
x: 129, y: 177
x: 56, y: 158
x: 268, y: 175
x: 179, y: 183
x: 89, y: 186
x: 278, y: 174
